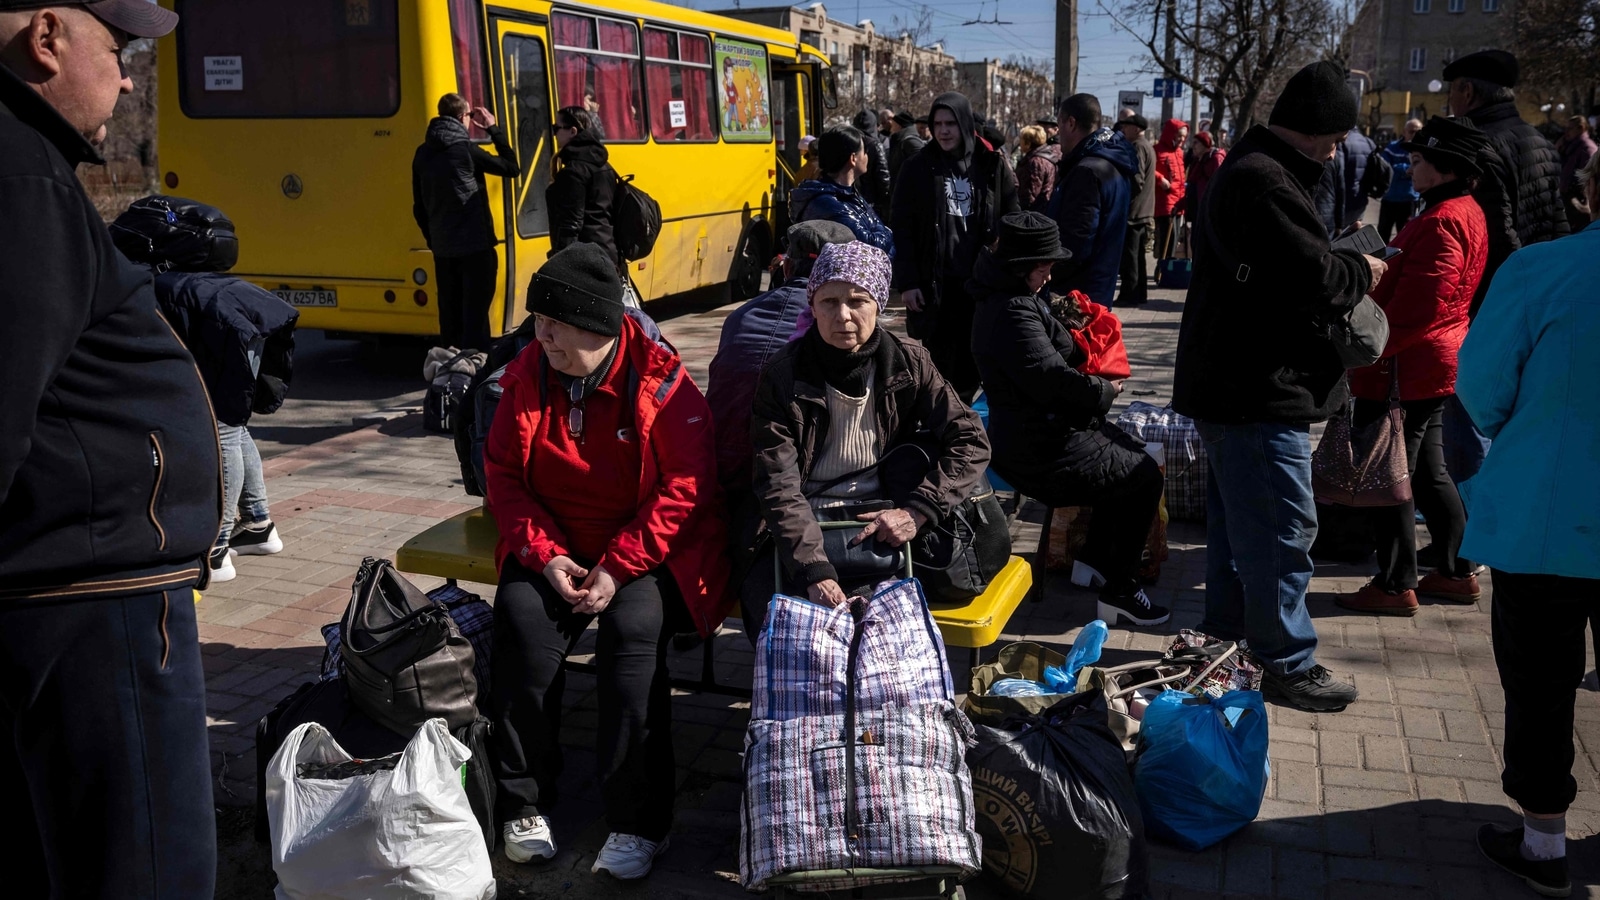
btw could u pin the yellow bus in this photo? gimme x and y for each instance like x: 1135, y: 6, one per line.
x: 299, y: 118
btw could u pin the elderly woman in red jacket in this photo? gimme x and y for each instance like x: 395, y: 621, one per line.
x: 601, y: 471
x: 1425, y: 295
x: 1170, y: 178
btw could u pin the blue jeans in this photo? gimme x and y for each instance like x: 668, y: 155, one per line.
x: 1260, y: 523
x: 105, y: 771
x: 244, y: 488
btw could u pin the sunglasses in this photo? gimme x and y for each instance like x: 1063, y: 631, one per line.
x: 575, y: 415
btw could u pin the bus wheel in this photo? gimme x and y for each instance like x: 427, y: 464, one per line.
x: 749, y: 263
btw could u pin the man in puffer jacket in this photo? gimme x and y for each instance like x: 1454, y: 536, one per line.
x: 1093, y: 195
x: 835, y: 195
x: 1523, y: 173
x: 450, y: 202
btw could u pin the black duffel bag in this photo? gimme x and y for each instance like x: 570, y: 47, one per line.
x: 957, y: 557
x: 405, y: 660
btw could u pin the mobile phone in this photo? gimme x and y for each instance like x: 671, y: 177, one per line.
x: 1386, y: 253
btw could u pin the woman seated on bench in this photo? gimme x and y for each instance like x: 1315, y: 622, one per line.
x: 828, y: 408
x: 601, y: 474
x: 1048, y: 420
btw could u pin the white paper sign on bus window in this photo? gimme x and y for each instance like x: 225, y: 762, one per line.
x: 224, y: 73
x: 678, y: 113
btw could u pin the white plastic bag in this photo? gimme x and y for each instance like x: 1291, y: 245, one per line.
x: 404, y: 833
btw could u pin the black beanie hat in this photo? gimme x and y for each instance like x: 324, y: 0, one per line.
x: 1316, y: 101
x: 579, y: 286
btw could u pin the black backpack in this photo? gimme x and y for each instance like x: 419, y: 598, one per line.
x: 448, y: 391
x: 175, y: 233
x: 635, y: 219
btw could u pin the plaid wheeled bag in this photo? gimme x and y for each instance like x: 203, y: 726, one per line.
x: 855, y: 758
x: 1185, y: 453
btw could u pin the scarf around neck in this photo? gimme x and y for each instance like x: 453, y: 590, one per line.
x: 844, y: 370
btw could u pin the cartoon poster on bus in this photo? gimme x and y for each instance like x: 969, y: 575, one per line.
x: 742, y: 73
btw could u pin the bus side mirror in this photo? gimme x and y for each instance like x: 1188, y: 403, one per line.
x: 830, y: 88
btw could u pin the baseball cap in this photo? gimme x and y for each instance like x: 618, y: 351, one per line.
x: 140, y: 18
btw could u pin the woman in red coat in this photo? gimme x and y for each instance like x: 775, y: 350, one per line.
x: 601, y: 471
x: 1169, y: 176
x: 1425, y: 294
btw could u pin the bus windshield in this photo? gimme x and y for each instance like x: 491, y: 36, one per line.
x: 304, y: 59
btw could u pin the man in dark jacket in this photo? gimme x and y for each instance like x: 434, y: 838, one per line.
x: 947, y: 207
x: 1523, y: 175
x: 1341, y: 195
x: 1141, y: 214
x: 1092, y: 197
x: 875, y: 183
x: 451, y: 206
x: 109, y: 498
x: 1255, y: 369
x: 903, y: 144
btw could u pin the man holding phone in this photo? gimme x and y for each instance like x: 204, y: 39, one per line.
x: 1255, y: 369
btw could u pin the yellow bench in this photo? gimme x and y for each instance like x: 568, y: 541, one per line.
x: 461, y: 548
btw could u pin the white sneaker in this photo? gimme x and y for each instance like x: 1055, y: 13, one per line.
x: 222, y: 566
x: 1085, y: 575
x: 528, y: 838
x: 260, y: 539
x: 628, y: 856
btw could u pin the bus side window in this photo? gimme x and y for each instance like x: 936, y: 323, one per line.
x: 598, y: 67
x: 528, y: 95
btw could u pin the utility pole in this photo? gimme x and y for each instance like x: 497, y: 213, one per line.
x: 1066, y: 51
x: 1194, y: 87
x: 1169, y: 68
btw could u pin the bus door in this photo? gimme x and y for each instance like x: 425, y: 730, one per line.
x: 791, y: 86
x: 522, y: 92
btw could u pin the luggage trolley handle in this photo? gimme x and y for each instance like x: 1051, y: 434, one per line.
x: 852, y: 815
x: 777, y: 561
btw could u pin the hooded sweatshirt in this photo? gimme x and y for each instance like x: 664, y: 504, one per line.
x: 447, y: 187
x: 1169, y: 165
x: 581, y: 194
x: 1090, y: 207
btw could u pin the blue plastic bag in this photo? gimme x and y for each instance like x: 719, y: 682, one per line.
x: 1202, y: 767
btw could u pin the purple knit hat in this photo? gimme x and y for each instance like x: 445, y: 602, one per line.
x: 860, y: 264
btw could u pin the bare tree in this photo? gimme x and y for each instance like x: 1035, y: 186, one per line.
x: 1246, y: 48
x: 1558, y: 44
x: 909, y: 79
x: 1038, y: 94
x: 129, y: 150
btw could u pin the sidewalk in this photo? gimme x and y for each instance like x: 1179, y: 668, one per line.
x: 1379, y: 801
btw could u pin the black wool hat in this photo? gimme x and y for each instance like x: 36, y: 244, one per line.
x: 1455, y: 140
x: 1493, y: 66
x: 904, y: 119
x: 1137, y: 121
x: 1029, y: 237
x: 579, y: 286
x: 1316, y: 101
x: 1046, y: 119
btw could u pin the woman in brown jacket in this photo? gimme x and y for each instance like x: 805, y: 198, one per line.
x: 828, y: 408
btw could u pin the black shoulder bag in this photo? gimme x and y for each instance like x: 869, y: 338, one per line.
x: 405, y: 660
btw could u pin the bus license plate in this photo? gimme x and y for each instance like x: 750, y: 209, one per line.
x: 309, y: 298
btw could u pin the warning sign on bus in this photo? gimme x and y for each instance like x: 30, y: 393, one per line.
x: 224, y: 73
x: 746, y: 113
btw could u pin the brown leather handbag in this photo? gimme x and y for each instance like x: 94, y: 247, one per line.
x: 405, y: 660
x: 1365, y: 466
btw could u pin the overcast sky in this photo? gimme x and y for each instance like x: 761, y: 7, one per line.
x: 1108, y: 59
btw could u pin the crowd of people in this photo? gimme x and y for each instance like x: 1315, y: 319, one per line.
x: 625, y: 497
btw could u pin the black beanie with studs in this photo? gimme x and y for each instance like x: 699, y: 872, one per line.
x: 579, y: 285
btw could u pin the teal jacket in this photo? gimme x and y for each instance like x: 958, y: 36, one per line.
x: 1530, y: 378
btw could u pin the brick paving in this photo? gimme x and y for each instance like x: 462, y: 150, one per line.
x: 1379, y: 801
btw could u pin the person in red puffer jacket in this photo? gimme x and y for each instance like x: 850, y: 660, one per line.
x: 601, y: 470
x: 1426, y: 294
x: 1170, y: 178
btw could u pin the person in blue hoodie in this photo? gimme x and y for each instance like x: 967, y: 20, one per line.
x: 834, y: 196
x: 1090, y: 203
x: 1399, y: 203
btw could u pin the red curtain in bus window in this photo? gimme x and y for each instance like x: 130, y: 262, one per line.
x: 658, y: 85
x: 467, y: 37
x: 697, y: 87
x: 572, y: 69
x: 616, y: 82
